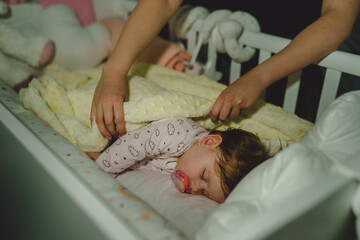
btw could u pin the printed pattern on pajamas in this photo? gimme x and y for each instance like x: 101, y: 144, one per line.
x: 159, y: 141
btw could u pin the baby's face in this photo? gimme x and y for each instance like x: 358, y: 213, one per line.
x: 198, y: 163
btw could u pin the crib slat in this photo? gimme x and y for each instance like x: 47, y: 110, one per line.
x: 210, y: 66
x: 235, y: 67
x: 191, y: 41
x: 292, y: 90
x: 329, y: 90
x: 263, y: 55
x: 235, y: 71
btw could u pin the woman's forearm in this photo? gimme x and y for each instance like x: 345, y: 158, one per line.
x: 313, y: 43
x: 144, y: 24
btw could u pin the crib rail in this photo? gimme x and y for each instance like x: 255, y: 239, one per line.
x: 335, y: 64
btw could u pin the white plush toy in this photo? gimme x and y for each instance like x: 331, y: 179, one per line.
x: 33, y: 34
x: 221, y: 29
x: 20, y: 56
x: 82, y: 33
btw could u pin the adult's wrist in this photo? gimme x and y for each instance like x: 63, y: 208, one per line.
x: 113, y: 70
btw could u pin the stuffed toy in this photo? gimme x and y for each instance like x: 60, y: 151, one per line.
x: 20, y: 56
x: 32, y: 36
x: 73, y: 34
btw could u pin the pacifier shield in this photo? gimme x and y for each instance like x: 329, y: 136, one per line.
x: 181, y: 181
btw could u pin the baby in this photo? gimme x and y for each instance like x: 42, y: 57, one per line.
x: 200, y: 162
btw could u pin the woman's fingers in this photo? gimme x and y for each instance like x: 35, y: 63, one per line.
x: 119, y: 117
x: 216, y: 108
x: 235, y: 112
x: 107, y: 107
x: 228, y: 104
x: 101, y: 124
x: 225, y: 110
x: 109, y: 118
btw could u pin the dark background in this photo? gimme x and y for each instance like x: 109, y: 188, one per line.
x: 284, y: 18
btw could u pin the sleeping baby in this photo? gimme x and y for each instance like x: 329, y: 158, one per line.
x: 200, y: 162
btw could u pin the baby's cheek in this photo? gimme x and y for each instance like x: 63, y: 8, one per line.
x: 179, y: 166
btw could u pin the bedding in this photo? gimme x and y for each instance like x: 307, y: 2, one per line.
x: 187, y: 212
x: 270, y: 186
x: 126, y: 207
x: 328, y: 146
x: 63, y: 99
x: 140, y: 211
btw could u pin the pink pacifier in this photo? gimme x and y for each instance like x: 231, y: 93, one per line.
x: 181, y: 181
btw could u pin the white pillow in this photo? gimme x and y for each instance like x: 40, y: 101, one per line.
x: 334, y: 138
x: 187, y: 212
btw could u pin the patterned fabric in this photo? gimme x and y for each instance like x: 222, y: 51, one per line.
x: 158, y: 144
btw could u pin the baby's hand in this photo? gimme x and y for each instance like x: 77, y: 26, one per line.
x: 93, y: 155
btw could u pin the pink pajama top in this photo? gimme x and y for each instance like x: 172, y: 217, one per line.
x: 154, y: 147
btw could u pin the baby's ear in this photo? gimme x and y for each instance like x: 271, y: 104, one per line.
x: 212, y: 140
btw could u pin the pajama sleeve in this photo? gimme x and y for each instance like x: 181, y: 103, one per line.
x: 123, y: 153
x: 158, y: 140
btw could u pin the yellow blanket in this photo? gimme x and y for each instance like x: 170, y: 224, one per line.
x: 63, y: 99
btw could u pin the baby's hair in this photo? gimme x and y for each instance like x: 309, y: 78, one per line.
x: 240, y: 152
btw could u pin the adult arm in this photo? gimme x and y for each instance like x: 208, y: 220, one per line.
x: 144, y: 24
x: 313, y: 43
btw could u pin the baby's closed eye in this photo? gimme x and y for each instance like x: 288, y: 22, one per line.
x: 202, y: 175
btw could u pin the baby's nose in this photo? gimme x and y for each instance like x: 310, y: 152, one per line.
x: 196, y: 187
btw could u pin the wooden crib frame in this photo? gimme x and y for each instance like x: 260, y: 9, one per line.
x: 94, y: 219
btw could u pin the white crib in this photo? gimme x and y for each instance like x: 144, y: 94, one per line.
x: 45, y: 195
x: 336, y: 63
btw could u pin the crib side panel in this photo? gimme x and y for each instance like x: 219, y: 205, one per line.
x: 32, y: 204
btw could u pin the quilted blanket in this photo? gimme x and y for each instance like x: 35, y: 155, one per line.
x: 63, y: 99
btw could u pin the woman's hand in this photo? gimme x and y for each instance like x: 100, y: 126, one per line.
x: 236, y: 99
x: 107, y: 106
